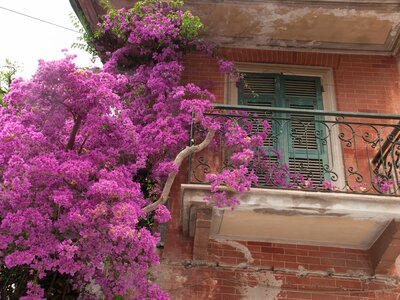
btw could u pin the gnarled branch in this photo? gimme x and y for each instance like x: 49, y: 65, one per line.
x: 74, y: 131
x: 178, y: 162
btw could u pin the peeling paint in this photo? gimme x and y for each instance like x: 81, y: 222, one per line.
x: 240, y: 247
x: 291, y: 25
x: 287, y: 15
x: 267, y: 286
x: 397, y: 266
x: 295, y: 211
x: 183, y: 280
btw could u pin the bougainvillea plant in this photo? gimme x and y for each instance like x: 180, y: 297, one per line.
x: 88, y: 158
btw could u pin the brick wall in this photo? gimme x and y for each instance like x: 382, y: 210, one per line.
x: 262, y: 270
x: 280, y: 271
x: 363, y: 83
x: 203, y: 71
x: 274, y: 271
x: 291, y: 256
x: 220, y: 283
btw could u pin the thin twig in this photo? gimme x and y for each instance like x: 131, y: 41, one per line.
x: 83, y: 144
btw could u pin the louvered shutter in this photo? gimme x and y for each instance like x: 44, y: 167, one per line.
x: 305, y: 144
x: 261, y: 90
x: 298, y: 137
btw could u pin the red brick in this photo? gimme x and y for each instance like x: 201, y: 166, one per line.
x: 321, y: 296
x: 267, y: 256
x: 228, y: 253
x: 272, y: 250
x: 320, y: 254
x: 265, y: 244
x: 286, y: 246
x: 323, y: 282
x: 201, y: 288
x: 319, y: 267
x: 357, y: 264
x: 331, y: 249
x: 224, y: 273
x: 278, y: 264
x: 228, y: 283
x: 348, y: 284
x: 294, y: 265
x: 333, y: 262
x: 282, y: 257
x: 228, y: 260
x: 352, y: 298
x: 254, y: 248
x: 309, y: 260
x: 296, y: 280
x: 298, y: 295
x: 231, y: 297
x: 344, y: 255
x: 266, y: 263
x: 226, y: 289
x: 308, y: 247
x: 297, y: 252
x: 375, y: 285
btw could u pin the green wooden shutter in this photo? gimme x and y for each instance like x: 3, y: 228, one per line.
x: 305, y: 146
x: 298, y: 137
x: 262, y: 90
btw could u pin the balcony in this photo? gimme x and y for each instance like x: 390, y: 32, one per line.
x: 326, y: 151
x: 338, y: 175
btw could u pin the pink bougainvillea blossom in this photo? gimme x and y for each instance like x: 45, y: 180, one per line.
x: 84, y: 152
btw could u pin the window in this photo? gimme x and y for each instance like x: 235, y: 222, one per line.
x: 299, y: 137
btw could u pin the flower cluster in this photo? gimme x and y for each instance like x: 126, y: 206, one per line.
x: 153, y: 31
x: 69, y: 202
x: 246, y: 149
x: 83, y: 152
x: 383, y: 184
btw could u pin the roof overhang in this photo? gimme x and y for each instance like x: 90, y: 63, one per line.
x: 330, y: 26
x: 358, y: 26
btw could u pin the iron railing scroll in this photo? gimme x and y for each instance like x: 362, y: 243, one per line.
x: 311, y: 149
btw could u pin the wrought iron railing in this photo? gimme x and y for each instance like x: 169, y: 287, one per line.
x: 312, y: 149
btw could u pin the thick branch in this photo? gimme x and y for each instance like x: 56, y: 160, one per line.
x: 178, y: 162
x: 74, y: 131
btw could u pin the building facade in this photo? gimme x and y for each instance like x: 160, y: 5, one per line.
x: 326, y: 75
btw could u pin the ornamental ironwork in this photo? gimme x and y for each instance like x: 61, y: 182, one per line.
x: 311, y: 149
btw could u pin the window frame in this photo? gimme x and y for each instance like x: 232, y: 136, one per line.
x: 335, y: 154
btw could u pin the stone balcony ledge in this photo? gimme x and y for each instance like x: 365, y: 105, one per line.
x: 295, y: 216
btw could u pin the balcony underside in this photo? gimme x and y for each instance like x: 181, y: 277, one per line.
x: 360, y: 26
x: 296, y: 217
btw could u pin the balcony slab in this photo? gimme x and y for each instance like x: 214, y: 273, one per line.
x: 296, y: 216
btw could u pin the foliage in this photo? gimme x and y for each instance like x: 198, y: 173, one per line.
x: 85, y: 154
x: 85, y: 40
x: 7, y: 74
